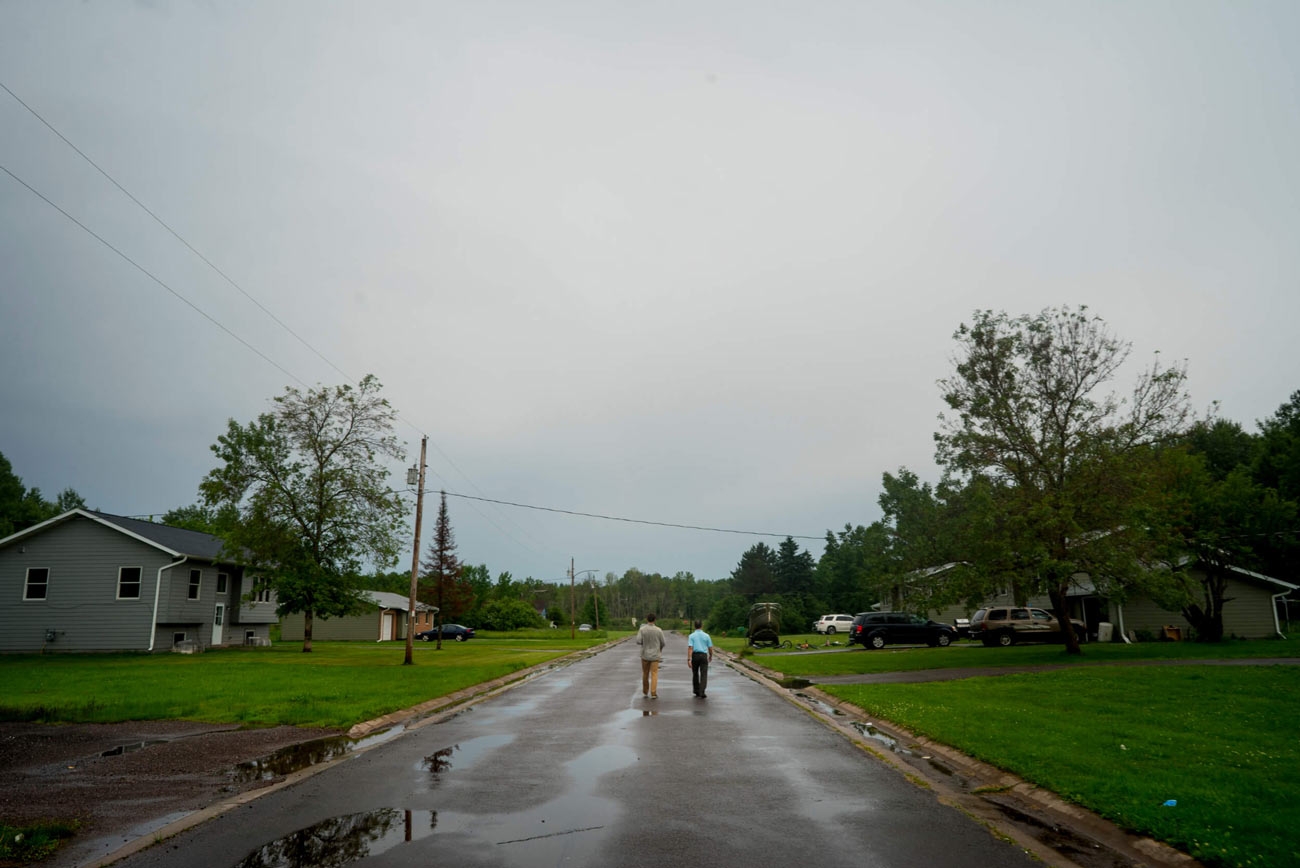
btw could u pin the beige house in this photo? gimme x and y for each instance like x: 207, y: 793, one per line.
x: 1257, y: 607
x: 384, y: 620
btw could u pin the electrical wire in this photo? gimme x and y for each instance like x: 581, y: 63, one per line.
x: 149, y: 274
x: 632, y: 520
x: 318, y: 353
x: 260, y: 306
x: 174, y: 233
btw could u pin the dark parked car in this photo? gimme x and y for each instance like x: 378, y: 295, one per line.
x: 1007, y: 625
x: 449, y: 631
x: 878, y: 629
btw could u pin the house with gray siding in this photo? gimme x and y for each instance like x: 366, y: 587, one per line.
x: 90, y: 581
x: 383, y: 619
x: 1257, y: 607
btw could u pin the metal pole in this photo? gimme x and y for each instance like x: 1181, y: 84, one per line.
x: 415, y: 558
x: 573, y: 634
x: 595, y: 598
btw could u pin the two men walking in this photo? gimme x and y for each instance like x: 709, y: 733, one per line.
x: 699, y: 653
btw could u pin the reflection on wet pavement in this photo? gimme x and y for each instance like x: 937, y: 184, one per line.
x: 308, y: 753
x: 554, y: 831
x: 342, y: 840
x: 462, y: 756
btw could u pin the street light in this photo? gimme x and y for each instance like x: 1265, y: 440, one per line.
x: 573, y: 621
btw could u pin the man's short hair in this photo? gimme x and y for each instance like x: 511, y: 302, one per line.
x: 650, y: 617
x: 698, y: 625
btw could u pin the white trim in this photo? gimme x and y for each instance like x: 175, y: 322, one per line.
x: 27, y: 578
x: 90, y: 515
x: 139, y: 583
x: 1277, y: 625
x: 157, y: 592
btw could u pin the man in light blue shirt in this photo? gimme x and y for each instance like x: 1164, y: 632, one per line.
x: 699, y: 654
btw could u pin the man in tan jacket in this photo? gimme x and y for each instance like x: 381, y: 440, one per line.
x: 651, y: 640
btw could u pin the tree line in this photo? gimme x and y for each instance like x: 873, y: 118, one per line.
x: 1047, y: 475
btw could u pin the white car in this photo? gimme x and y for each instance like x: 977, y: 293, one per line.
x: 833, y: 624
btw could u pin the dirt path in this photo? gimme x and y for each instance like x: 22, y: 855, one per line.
x: 161, y: 770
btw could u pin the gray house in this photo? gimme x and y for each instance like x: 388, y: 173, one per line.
x: 88, y: 581
x: 1258, y: 607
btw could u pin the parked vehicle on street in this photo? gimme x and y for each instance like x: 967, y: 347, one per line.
x: 878, y: 629
x: 962, y: 626
x: 1008, y: 625
x: 830, y: 624
x: 583, y: 628
x: 449, y: 631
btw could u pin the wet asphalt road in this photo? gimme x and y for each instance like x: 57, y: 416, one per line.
x: 575, y: 768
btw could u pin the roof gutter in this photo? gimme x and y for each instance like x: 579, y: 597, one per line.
x: 1277, y: 625
x: 157, y: 591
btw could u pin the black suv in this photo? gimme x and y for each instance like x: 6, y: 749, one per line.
x: 878, y: 629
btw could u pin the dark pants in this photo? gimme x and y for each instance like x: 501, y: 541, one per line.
x: 699, y: 671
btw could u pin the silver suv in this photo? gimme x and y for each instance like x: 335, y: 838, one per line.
x: 1007, y: 625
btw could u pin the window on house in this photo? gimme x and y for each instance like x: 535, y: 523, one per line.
x: 177, y: 638
x: 222, y: 579
x: 261, y: 590
x: 128, y: 583
x: 38, y: 583
x: 196, y: 579
x: 249, y: 635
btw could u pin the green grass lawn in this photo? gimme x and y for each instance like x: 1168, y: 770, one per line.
x: 336, y: 685
x: 546, y: 638
x: 966, y: 655
x: 1220, y: 741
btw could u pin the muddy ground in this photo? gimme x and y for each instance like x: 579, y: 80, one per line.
x: 163, y: 769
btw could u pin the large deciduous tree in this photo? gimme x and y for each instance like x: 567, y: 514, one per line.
x: 309, y: 496
x: 1069, y: 463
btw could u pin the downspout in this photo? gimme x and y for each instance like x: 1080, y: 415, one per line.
x: 157, y: 591
x: 1277, y: 626
x: 1123, y: 634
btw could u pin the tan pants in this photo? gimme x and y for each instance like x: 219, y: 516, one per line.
x: 650, y: 677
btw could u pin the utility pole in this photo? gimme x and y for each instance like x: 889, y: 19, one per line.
x: 595, y: 599
x: 415, y: 558
x: 573, y: 623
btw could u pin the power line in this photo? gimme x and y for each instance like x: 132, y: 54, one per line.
x: 305, y: 343
x: 633, y: 520
x: 260, y: 306
x: 149, y: 274
x: 173, y: 232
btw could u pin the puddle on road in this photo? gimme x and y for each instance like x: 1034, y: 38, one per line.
x: 309, y: 753
x: 564, y: 829
x: 463, y: 755
x: 339, y: 841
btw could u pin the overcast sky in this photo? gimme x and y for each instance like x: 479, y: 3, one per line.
x: 692, y: 262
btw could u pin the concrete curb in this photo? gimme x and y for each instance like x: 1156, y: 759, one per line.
x: 433, y: 711
x: 1043, y: 812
